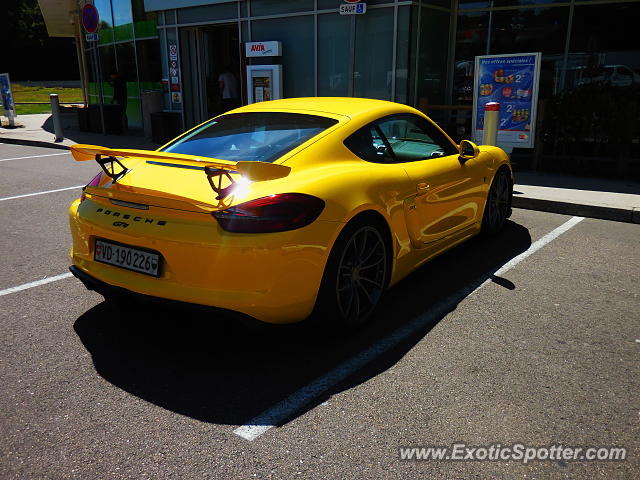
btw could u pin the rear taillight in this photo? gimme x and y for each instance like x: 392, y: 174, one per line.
x: 93, y: 183
x: 275, y: 213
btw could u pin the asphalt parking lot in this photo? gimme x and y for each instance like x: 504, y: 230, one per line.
x: 532, y: 337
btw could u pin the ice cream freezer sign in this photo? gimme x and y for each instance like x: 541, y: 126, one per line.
x: 511, y: 80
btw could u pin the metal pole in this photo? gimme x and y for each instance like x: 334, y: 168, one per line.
x: 55, y: 113
x: 491, y: 119
x: 96, y: 59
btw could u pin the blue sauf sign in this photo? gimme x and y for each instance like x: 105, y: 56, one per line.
x: 353, y: 9
x: 511, y: 80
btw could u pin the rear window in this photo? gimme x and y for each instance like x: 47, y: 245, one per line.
x: 259, y: 136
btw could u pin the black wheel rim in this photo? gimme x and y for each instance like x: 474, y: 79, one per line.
x: 498, y: 201
x: 361, y: 274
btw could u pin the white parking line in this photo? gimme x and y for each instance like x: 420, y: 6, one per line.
x: 283, y: 410
x: 34, y: 156
x: 37, y: 283
x: 40, y: 193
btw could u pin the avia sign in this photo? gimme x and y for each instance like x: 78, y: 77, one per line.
x: 263, y: 49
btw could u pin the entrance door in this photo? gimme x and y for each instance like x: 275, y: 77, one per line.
x: 207, y: 53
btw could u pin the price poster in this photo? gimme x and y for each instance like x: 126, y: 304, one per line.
x: 511, y: 80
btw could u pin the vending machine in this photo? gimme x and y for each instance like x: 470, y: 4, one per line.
x: 264, y: 74
x: 264, y: 83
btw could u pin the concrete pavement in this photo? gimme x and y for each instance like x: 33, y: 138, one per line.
x: 37, y: 131
x: 608, y: 199
x: 544, y: 353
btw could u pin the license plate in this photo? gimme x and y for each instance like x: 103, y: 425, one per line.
x: 131, y: 258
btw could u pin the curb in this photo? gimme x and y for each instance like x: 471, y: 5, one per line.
x: 34, y: 143
x: 627, y: 215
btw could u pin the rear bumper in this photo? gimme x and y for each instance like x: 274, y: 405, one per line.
x: 270, y: 277
x: 110, y: 291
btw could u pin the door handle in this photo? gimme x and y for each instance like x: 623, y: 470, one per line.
x: 422, y: 187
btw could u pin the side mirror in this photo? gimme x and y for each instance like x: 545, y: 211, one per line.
x: 468, y: 150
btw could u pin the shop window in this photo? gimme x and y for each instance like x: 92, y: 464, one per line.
x: 149, y: 68
x: 405, y: 52
x: 333, y: 55
x: 516, y: 3
x: 595, y: 118
x: 432, y: 62
x: 170, y: 17
x: 244, y: 31
x: 277, y: 7
x: 297, y: 37
x: 374, y: 54
x: 126, y: 66
x: 438, y: 3
x: 106, y: 20
x: 223, y: 11
x: 107, y: 55
x: 144, y: 23
x: 134, y: 113
x: 464, y: 4
x: 471, y: 41
x: 529, y: 30
x: 122, y: 20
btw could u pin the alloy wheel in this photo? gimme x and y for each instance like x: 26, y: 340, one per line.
x: 361, y: 274
x: 498, y: 202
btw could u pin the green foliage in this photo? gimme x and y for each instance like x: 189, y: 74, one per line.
x: 24, y: 23
x: 30, y: 53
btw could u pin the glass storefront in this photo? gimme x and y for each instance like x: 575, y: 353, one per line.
x: 589, y: 108
x: 129, y: 45
x: 397, y: 51
x: 416, y: 52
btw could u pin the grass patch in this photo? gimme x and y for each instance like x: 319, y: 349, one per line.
x: 23, y: 93
x: 30, y: 109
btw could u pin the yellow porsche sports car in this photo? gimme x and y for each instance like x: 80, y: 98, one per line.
x: 284, y: 209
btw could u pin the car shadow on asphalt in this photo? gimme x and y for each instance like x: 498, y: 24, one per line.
x: 211, y: 369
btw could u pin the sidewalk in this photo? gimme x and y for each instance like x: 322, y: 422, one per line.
x: 609, y: 199
x: 37, y: 130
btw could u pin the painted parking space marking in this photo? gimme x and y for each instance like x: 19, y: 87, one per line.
x: 280, y: 412
x: 40, y: 193
x: 34, y: 156
x: 37, y: 283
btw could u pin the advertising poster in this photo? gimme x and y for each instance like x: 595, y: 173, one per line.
x: 7, y: 96
x: 511, y: 80
x: 264, y: 83
x: 262, y: 88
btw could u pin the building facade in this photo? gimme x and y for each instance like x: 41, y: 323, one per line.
x: 416, y: 52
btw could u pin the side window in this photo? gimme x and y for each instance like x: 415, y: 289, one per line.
x: 413, y: 138
x: 367, y: 144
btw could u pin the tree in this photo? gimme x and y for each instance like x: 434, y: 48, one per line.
x: 32, y: 54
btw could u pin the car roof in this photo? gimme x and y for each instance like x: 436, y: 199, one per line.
x: 347, y: 106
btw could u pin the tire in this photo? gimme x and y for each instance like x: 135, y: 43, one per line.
x: 356, y: 275
x: 498, y: 206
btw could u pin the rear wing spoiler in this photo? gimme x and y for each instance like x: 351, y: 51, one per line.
x: 108, y: 159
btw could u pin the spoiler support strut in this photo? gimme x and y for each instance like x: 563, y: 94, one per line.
x: 110, y: 160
